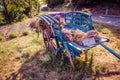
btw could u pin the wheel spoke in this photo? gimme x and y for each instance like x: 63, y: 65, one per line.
x: 52, y: 47
x: 49, y: 42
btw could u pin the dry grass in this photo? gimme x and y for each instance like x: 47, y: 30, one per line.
x: 24, y: 58
x: 14, y: 52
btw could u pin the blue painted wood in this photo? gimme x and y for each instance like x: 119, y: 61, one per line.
x: 80, y: 19
x: 44, y: 19
x: 75, y: 17
x: 110, y: 50
x: 50, y: 20
x: 56, y: 21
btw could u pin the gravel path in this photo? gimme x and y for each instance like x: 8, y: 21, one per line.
x: 110, y: 20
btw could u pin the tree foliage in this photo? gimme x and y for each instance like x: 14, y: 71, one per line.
x: 53, y: 3
x: 44, y: 1
x: 14, y: 10
x: 95, y: 1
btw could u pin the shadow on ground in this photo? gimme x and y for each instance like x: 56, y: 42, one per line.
x: 41, y: 67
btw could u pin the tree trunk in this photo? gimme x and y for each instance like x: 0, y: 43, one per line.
x: 30, y: 6
x: 7, y: 17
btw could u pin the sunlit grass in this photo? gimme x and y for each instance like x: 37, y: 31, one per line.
x: 17, y: 49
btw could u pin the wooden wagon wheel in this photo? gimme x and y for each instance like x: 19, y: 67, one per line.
x: 45, y: 39
x: 49, y: 42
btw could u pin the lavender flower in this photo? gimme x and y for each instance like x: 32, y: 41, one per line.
x: 21, y: 28
x: 31, y: 25
x: 10, y: 30
x: 1, y: 28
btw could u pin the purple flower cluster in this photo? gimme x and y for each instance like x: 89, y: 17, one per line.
x: 22, y: 26
x: 31, y: 25
x: 10, y: 29
x: 1, y: 28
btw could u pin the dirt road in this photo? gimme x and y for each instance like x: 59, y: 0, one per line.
x: 110, y: 20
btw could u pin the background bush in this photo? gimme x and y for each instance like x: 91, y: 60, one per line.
x: 16, y: 10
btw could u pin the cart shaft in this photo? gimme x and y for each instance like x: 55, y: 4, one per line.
x: 110, y: 50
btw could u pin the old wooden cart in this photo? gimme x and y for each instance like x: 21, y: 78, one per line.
x: 53, y: 37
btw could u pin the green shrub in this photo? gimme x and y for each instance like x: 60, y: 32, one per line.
x: 1, y: 16
x: 25, y: 32
x: 1, y: 37
x: 13, y: 34
x: 97, y: 69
